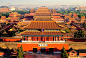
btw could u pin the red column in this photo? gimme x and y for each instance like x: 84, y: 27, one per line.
x: 39, y: 38
x: 59, y: 38
x: 34, y: 38
x: 56, y: 38
x: 30, y: 38
x: 26, y: 38
x: 50, y: 38
x: 45, y: 38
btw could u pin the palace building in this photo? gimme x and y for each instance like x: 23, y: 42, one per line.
x: 43, y: 34
x: 42, y: 14
x: 40, y: 34
x: 48, y: 30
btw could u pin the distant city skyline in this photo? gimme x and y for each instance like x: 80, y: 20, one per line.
x: 43, y: 2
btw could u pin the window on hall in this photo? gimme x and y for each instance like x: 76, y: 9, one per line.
x: 72, y: 54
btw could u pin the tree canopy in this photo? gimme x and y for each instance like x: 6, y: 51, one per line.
x: 79, y: 34
x: 77, y: 12
x: 84, y: 25
x: 4, y: 14
x: 21, y: 11
x: 64, y: 53
x: 20, y: 53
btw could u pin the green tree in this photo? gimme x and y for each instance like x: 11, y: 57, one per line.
x: 5, y: 14
x: 64, y: 53
x: 67, y: 31
x: 20, y: 53
x: 12, y: 33
x: 79, y: 15
x: 22, y: 50
x: 84, y: 25
x: 76, y: 35
x: 20, y: 30
x: 79, y: 34
x: 60, y: 12
x: 21, y: 11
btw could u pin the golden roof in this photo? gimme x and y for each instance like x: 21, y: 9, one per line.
x: 32, y: 11
x: 3, y: 17
x: 13, y: 29
x: 43, y: 10
x: 4, y: 32
x: 0, y: 25
x: 72, y: 27
x: 43, y: 25
x: 54, y: 11
x: 43, y: 14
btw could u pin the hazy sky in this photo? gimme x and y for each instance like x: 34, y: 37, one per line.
x: 44, y: 2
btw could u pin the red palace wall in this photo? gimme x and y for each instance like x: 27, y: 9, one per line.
x: 29, y: 47
x: 82, y: 54
x: 11, y: 40
x: 76, y: 40
x: 1, y: 54
x: 72, y: 54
